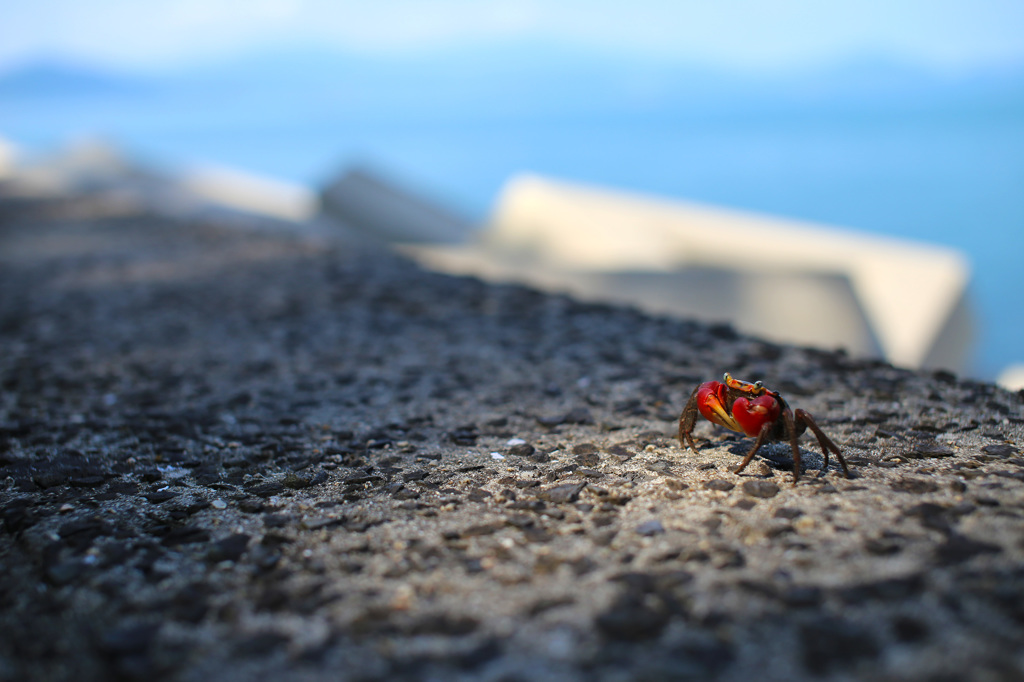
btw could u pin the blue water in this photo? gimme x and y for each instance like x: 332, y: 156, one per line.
x: 950, y: 173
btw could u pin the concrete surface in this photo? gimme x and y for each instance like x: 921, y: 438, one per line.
x: 245, y: 455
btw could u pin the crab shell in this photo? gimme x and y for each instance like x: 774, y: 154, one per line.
x: 741, y: 413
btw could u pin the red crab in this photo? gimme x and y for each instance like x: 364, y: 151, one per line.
x: 753, y: 410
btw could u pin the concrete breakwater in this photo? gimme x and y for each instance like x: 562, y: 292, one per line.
x: 245, y: 454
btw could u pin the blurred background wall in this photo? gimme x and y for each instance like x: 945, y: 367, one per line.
x: 900, y: 119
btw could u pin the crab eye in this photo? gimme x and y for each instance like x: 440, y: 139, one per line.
x: 759, y: 384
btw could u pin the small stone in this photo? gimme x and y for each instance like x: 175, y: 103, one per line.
x: 123, y: 488
x: 882, y: 546
x: 230, y: 548
x: 465, y: 435
x: 762, y: 489
x: 729, y: 557
x: 404, y: 493
x: 1001, y: 450
x: 745, y: 504
x: 278, y: 520
x: 959, y: 548
x: 932, y: 516
x: 551, y: 420
x: 719, y: 484
x: 50, y: 478
x: 521, y: 450
x: 930, y: 449
x: 661, y: 466
x: 649, y: 528
x: 560, y: 494
x: 303, y: 480
x: 267, y: 489
x: 631, y: 619
x: 788, y: 513
x: 478, y: 495
x: 481, y: 529
x: 915, y: 486
x: 578, y: 415
x: 251, y: 505
x: 185, y: 535
x: 620, y: 452
x: 584, y: 449
x: 318, y: 522
x: 536, y: 534
x: 86, y: 481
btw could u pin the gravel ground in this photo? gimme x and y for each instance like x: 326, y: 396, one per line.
x: 235, y: 454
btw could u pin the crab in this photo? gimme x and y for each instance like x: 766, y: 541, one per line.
x: 753, y: 410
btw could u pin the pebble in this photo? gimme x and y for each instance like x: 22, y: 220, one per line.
x: 649, y: 528
x: 523, y: 449
x: 916, y: 486
x: 719, y: 484
x: 561, y: 494
x: 762, y: 489
x: 958, y: 549
x: 230, y: 548
x: 930, y: 449
x: 630, y: 618
x: 1001, y: 450
x: 622, y: 453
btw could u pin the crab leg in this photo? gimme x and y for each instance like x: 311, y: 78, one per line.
x: 762, y: 436
x: 687, y: 420
x: 823, y: 440
x: 787, y: 415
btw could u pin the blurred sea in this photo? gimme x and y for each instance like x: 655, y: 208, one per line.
x: 870, y: 146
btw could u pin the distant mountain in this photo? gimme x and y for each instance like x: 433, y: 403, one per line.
x: 518, y: 80
x: 544, y: 78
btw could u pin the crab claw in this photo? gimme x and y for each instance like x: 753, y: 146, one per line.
x: 711, y: 404
x: 752, y: 415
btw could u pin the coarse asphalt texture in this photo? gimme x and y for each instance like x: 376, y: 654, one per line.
x: 232, y: 453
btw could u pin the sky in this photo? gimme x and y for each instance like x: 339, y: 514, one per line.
x: 954, y: 35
